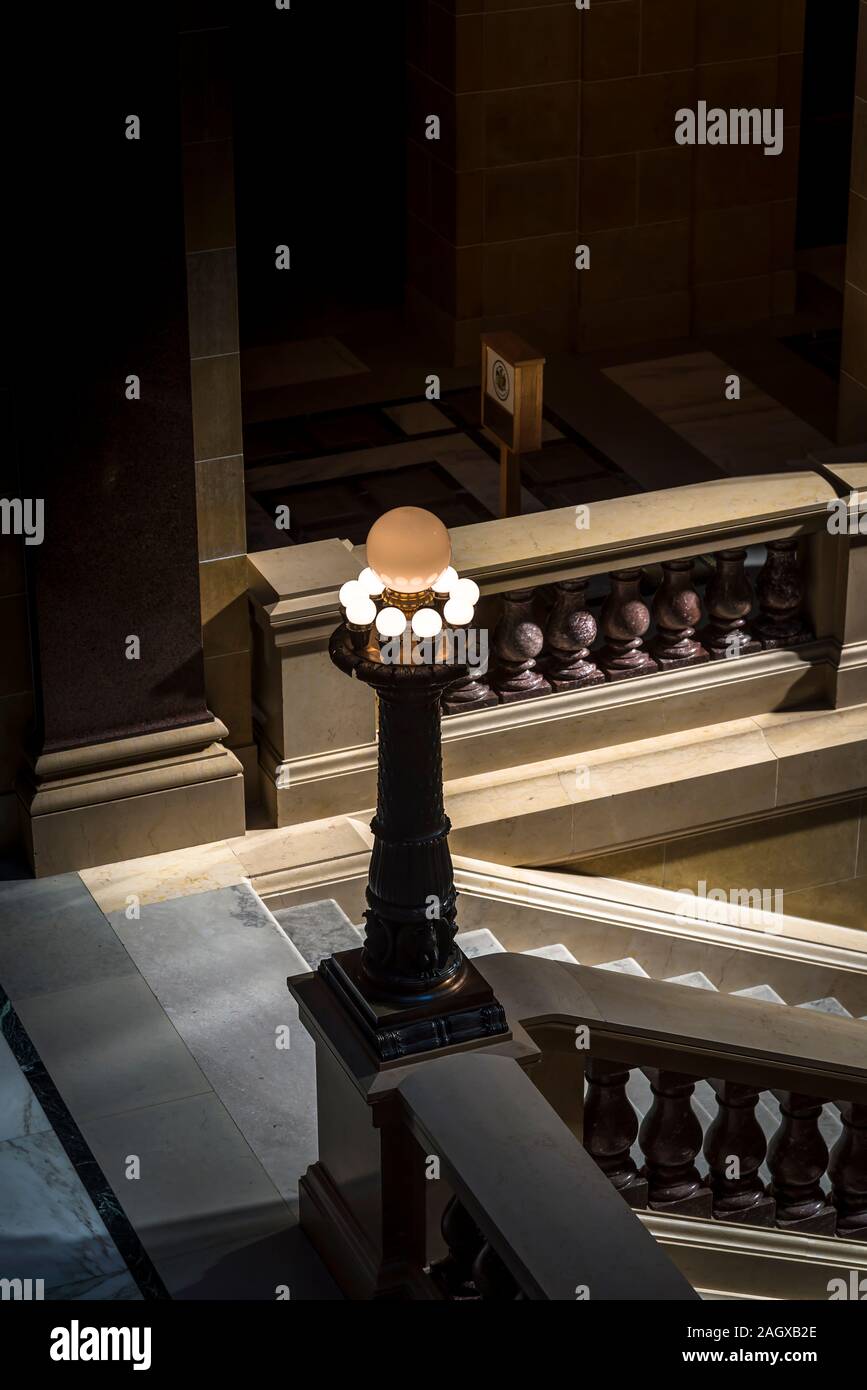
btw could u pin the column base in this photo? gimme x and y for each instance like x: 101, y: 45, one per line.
x: 129, y: 798
x: 465, y: 1012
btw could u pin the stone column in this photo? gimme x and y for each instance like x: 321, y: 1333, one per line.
x: 209, y: 214
x: 852, y: 420
x: 125, y: 757
x: 16, y: 680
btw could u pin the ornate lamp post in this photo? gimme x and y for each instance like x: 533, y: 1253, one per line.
x: 409, y: 989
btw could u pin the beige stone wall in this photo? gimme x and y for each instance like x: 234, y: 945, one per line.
x: 493, y: 204
x: 209, y: 207
x: 816, y: 857
x: 685, y: 238
x: 558, y: 130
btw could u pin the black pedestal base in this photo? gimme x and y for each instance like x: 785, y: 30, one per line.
x: 465, y: 1012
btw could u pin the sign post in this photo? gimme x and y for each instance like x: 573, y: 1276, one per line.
x: 511, y: 407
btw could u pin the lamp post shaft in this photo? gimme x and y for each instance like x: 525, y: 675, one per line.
x: 409, y: 947
x: 409, y: 989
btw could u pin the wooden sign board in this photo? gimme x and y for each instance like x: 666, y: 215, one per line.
x: 512, y: 391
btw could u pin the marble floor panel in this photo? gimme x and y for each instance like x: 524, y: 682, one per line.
x: 177, y: 1089
x: 752, y: 435
x: 281, y: 1265
x: 53, y: 936
x: 291, y: 363
x: 49, y: 1228
x: 408, y: 453
x: 198, y: 1183
x: 218, y: 964
x: 20, y: 1111
x: 109, y: 1047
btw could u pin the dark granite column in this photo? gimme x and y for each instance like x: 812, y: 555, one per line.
x: 105, y: 438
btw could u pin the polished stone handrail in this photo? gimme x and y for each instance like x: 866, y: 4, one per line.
x: 547, y: 1225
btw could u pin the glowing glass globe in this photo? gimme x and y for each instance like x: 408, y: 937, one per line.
x: 458, y: 612
x: 445, y: 582
x: 467, y: 590
x: 360, y: 612
x: 408, y: 548
x: 390, y: 622
x: 427, y: 623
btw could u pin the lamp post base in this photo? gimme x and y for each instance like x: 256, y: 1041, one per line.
x: 463, y: 1011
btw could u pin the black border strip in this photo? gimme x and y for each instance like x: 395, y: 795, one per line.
x: 77, y: 1150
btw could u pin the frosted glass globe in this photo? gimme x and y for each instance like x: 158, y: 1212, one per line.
x: 390, y: 622
x: 458, y: 612
x: 371, y: 583
x: 467, y: 590
x: 360, y: 611
x: 350, y: 591
x: 408, y: 548
x: 445, y: 582
x: 427, y: 622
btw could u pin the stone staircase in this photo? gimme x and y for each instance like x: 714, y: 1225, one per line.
x: 319, y: 928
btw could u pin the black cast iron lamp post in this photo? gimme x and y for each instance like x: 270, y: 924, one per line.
x: 409, y: 988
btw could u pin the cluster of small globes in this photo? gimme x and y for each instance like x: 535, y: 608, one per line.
x: 357, y: 597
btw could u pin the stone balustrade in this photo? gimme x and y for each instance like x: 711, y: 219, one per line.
x: 520, y: 1169
x: 751, y: 1149
x: 557, y: 637
x: 670, y: 1139
x: 734, y: 594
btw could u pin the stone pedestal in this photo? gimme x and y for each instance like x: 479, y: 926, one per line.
x: 135, y: 796
x: 368, y: 1205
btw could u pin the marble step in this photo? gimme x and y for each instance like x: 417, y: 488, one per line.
x: 318, y: 929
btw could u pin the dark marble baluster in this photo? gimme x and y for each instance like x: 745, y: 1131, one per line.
x: 729, y: 599
x: 677, y: 610
x: 518, y: 640
x: 780, y: 590
x: 492, y: 1278
x: 670, y: 1137
x: 471, y: 694
x: 625, y: 619
x: 611, y: 1127
x: 797, y: 1158
x: 454, y: 1273
x: 569, y: 634
x: 735, y: 1148
x: 848, y: 1173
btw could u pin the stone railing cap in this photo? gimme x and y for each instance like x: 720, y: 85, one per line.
x: 293, y: 571
x: 714, y: 514
x: 699, y: 511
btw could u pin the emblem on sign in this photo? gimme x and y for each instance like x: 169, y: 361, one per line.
x: 500, y: 379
